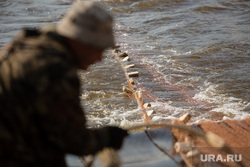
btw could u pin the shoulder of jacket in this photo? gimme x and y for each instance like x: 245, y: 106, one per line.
x: 31, y: 39
x: 47, y: 32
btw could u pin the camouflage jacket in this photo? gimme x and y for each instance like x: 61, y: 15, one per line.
x: 40, y: 114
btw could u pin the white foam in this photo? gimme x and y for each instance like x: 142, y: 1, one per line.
x: 223, y: 103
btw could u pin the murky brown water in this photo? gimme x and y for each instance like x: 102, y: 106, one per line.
x: 193, y: 55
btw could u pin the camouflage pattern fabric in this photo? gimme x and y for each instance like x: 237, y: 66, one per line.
x: 40, y: 114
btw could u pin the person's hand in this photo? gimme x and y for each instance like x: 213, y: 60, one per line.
x: 116, y: 136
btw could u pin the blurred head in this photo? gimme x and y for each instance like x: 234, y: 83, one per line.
x: 89, y: 30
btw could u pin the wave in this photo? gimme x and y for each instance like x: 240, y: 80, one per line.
x: 209, y: 8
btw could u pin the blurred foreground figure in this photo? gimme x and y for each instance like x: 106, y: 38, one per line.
x: 41, y: 119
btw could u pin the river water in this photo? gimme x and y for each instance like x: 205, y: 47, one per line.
x: 192, y: 55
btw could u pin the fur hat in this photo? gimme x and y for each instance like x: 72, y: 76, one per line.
x: 89, y: 23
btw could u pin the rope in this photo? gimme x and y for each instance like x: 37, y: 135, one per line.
x: 89, y: 161
x: 191, y: 130
x: 167, y: 125
x: 162, y: 150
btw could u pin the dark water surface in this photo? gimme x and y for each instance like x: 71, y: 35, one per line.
x: 193, y: 55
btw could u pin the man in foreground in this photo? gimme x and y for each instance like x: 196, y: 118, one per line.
x: 41, y: 119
